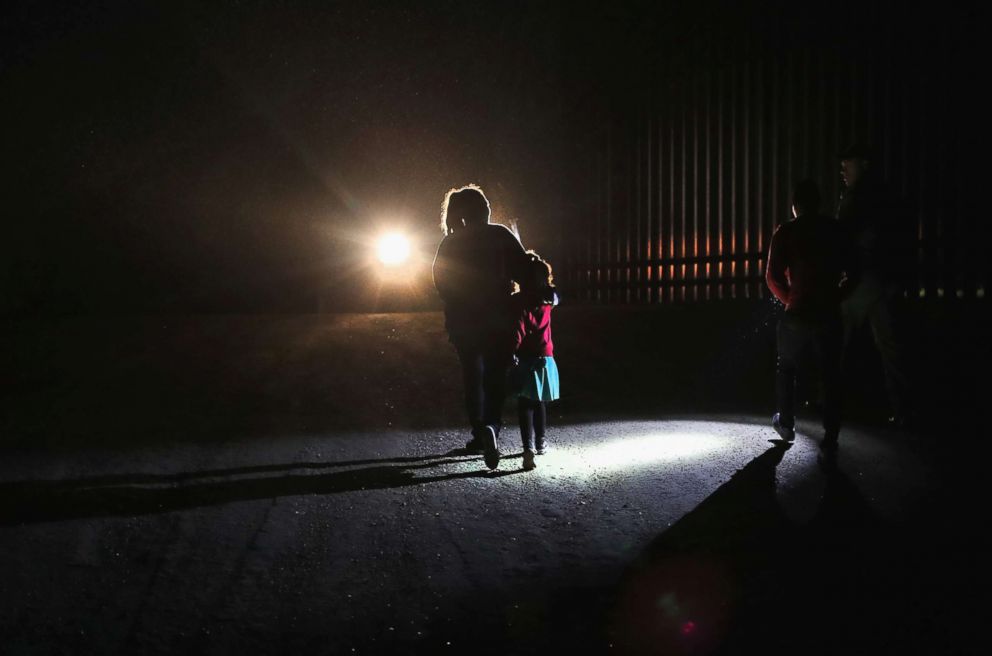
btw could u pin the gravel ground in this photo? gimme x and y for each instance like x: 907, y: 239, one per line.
x: 216, y: 484
x: 380, y: 542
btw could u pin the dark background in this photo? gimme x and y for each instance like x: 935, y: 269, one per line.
x: 195, y: 166
x: 241, y: 156
x: 178, y: 159
x: 714, y: 112
x: 238, y: 156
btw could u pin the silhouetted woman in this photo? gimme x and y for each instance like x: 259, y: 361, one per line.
x: 474, y: 270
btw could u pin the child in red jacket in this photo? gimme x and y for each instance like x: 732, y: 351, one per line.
x: 538, y: 373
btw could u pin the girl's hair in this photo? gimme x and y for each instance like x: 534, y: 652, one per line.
x: 540, y: 270
x: 462, y: 207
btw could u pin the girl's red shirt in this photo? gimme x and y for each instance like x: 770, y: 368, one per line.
x: 533, y: 338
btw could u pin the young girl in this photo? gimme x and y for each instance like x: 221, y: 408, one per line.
x: 537, y: 368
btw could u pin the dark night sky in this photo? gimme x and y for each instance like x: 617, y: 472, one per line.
x: 169, y: 156
x: 186, y: 156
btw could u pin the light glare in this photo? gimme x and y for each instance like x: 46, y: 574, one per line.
x: 394, y: 249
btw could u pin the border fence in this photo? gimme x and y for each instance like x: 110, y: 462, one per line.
x: 684, y: 185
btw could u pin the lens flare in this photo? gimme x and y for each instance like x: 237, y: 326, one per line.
x: 393, y: 249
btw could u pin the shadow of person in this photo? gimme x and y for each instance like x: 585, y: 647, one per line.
x: 842, y: 505
x: 841, y: 563
x: 684, y: 591
x: 180, y: 477
x: 29, y: 502
x: 735, y: 575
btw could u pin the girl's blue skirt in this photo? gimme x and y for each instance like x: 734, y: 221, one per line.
x: 539, y: 378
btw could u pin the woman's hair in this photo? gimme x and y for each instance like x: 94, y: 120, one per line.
x: 464, y: 206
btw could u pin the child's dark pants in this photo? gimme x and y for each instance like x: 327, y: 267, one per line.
x: 533, y: 418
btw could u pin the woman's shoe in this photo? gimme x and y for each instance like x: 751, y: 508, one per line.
x: 787, y: 433
x: 490, y: 449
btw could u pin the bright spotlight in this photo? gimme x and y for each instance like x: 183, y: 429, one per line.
x: 394, y: 249
x: 630, y: 452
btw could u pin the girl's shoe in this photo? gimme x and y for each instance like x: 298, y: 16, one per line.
x: 540, y: 445
x: 529, y: 463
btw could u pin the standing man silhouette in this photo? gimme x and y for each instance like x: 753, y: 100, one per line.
x: 806, y: 263
x: 474, y: 271
x: 881, y: 240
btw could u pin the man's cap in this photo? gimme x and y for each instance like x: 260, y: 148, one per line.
x: 857, y: 151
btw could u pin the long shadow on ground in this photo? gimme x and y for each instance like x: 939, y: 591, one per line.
x: 734, y: 576
x: 28, y: 502
x: 737, y: 576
